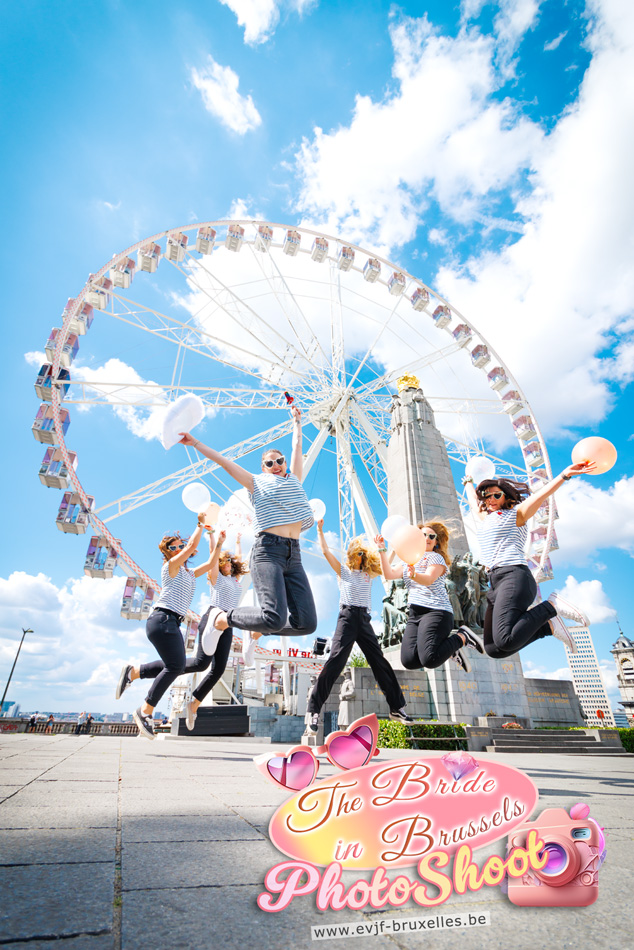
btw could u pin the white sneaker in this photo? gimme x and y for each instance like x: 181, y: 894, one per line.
x: 248, y: 648
x: 190, y: 715
x: 145, y: 724
x: 568, y: 610
x: 561, y: 632
x: 211, y: 634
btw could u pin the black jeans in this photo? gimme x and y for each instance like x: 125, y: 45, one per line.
x: 508, y: 624
x: 353, y: 626
x: 164, y: 633
x: 427, y: 638
x: 201, y: 661
x: 286, y: 605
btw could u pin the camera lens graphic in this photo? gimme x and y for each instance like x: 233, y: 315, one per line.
x: 557, y: 859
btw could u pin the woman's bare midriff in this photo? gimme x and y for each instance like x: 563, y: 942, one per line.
x: 285, y: 530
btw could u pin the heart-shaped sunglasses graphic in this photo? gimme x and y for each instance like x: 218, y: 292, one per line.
x: 298, y: 767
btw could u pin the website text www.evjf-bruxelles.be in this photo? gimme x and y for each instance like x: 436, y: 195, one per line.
x: 403, y: 924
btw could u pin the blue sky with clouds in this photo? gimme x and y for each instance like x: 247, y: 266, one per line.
x: 484, y: 147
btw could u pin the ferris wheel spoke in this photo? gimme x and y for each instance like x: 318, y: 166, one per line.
x: 155, y: 395
x: 371, y: 461
x: 183, y: 334
x: 246, y: 317
x: 415, y: 365
x: 179, y: 479
x: 298, y: 315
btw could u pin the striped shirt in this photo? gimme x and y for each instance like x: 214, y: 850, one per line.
x: 225, y: 593
x: 280, y: 499
x: 501, y: 540
x: 435, y: 596
x: 355, y: 588
x: 177, y: 592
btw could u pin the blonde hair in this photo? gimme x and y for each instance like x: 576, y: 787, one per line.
x: 442, y: 538
x: 370, y: 561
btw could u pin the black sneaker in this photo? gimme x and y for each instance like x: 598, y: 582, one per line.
x: 460, y: 659
x: 313, y: 722
x: 400, y: 715
x: 145, y: 724
x: 124, y: 681
x: 473, y: 640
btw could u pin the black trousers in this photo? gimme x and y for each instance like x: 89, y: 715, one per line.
x: 164, y: 633
x: 427, y: 638
x: 353, y: 626
x: 195, y: 664
x: 509, y: 625
x: 201, y: 661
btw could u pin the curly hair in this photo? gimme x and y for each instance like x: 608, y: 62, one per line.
x: 238, y: 566
x: 165, y: 542
x: 370, y: 562
x: 442, y: 538
x: 514, y: 492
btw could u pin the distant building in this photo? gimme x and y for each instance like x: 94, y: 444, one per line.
x: 587, y: 680
x: 620, y: 719
x: 623, y: 653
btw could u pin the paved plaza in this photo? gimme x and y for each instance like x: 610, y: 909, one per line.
x: 125, y: 844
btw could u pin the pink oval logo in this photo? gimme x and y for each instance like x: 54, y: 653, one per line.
x: 393, y: 813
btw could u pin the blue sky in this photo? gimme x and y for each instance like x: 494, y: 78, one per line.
x: 484, y: 147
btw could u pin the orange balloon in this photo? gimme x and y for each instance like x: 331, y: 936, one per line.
x: 409, y: 543
x: 595, y: 449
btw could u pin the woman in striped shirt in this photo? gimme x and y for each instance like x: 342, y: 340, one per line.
x: 353, y: 626
x: 428, y: 640
x: 178, y: 583
x: 504, y: 509
x: 286, y: 605
x: 214, y: 646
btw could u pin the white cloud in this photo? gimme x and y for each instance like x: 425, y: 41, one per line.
x: 514, y: 19
x: 35, y: 358
x: 78, y: 645
x: 127, y: 399
x: 531, y: 671
x: 372, y: 179
x: 557, y: 299
x: 240, y: 209
x: 549, y: 47
x: 218, y: 86
x: 592, y: 519
x: 260, y: 17
x: 590, y: 598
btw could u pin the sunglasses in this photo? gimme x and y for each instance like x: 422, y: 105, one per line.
x: 176, y: 547
x: 271, y: 462
x: 299, y: 766
x: 429, y: 535
x: 494, y: 494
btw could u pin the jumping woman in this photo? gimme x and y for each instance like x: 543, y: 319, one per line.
x: 427, y: 638
x: 286, y: 605
x: 224, y: 578
x: 503, y: 509
x: 353, y: 626
x: 163, y: 625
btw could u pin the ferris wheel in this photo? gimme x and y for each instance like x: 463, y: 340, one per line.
x: 239, y: 312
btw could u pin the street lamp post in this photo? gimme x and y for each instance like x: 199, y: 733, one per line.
x: 6, y: 688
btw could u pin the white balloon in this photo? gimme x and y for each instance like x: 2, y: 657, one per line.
x: 196, y: 496
x: 181, y: 416
x: 319, y: 508
x: 479, y: 467
x: 391, y: 525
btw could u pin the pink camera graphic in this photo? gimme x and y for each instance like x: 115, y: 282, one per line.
x: 575, y: 847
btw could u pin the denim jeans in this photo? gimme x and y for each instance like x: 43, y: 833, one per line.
x: 509, y: 625
x: 353, y: 626
x: 164, y: 633
x: 427, y: 638
x: 286, y: 605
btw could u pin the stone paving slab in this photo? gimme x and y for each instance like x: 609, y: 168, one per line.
x: 195, y: 863
x: 78, y: 942
x: 59, y: 900
x: 57, y: 846
x: 180, y: 828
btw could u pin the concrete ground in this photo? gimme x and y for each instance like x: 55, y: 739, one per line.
x: 126, y: 844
